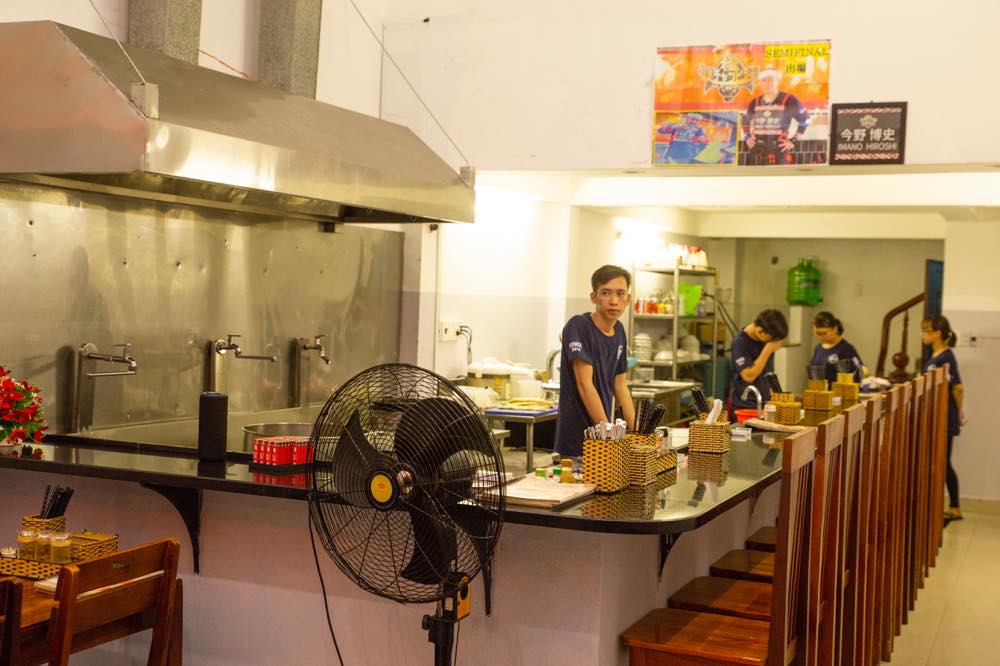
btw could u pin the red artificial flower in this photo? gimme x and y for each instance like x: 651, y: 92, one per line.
x: 38, y: 435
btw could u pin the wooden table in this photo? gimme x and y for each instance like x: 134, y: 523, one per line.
x: 36, y: 610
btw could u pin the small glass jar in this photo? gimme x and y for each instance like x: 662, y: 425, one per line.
x: 26, y: 544
x: 43, y: 541
x: 60, y: 547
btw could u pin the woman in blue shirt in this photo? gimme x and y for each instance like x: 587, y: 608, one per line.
x: 833, y: 348
x: 936, y: 332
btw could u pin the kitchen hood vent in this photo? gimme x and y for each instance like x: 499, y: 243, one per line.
x: 66, y: 120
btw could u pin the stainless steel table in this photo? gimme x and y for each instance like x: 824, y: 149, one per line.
x: 529, y: 419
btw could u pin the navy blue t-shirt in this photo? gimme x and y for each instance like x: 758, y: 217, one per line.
x: 582, y: 340
x: 830, y: 357
x: 745, y: 353
x: 934, y: 362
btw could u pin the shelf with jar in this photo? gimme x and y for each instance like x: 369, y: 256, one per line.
x: 669, y: 305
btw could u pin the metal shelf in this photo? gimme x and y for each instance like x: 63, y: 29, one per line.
x: 671, y: 270
x: 711, y: 288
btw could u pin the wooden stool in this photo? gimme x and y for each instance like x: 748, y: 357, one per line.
x: 671, y: 636
x: 763, y: 539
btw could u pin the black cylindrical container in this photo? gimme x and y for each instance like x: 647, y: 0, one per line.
x: 213, y: 412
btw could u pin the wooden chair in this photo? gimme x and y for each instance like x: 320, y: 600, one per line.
x: 10, y: 620
x: 917, y: 493
x: 868, y: 523
x: 671, y: 636
x: 903, y: 448
x: 752, y: 600
x: 116, y: 589
x: 939, y: 461
x: 886, y: 508
x: 848, y: 544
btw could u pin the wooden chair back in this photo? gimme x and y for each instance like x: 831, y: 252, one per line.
x: 939, y: 460
x: 867, y: 492
x: 854, y: 422
x: 10, y: 620
x: 917, y: 531
x: 886, y: 525
x: 115, y: 588
x: 824, y: 551
x: 904, y: 448
x: 787, y: 641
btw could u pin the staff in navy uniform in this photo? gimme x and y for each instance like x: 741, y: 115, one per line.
x: 936, y: 332
x: 594, y: 362
x: 753, y: 356
x: 833, y: 348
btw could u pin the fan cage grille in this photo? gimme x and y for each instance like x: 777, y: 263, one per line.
x: 426, y: 434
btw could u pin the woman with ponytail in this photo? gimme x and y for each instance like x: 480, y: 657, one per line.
x: 833, y: 348
x: 936, y: 332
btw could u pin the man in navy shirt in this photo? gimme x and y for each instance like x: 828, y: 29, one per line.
x: 753, y: 356
x: 594, y: 362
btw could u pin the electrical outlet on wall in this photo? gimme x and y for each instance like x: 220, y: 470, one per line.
x: 448, y: 331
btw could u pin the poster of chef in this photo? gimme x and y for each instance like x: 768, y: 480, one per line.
x: 742, y: 104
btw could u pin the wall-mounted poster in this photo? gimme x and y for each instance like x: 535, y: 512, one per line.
x: 870, y: 133
x: 746, y: 104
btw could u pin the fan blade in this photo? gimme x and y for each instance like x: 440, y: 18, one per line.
x: 353, y: 458
x: 478, y: 524
x: 434, y: 547
x: 457, y: 473
x: 435, y: 428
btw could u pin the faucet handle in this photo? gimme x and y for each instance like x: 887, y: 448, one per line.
x: 318, y: 337
x: 126, y: 348
x: 230, y: 336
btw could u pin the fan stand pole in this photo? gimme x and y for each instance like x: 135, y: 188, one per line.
x: 441, y: 632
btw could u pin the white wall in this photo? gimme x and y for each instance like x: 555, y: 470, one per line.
x: 504, y: 277
x: 566, y: 84
x: 972, y: 304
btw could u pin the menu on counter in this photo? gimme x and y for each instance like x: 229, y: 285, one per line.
x: 545, y: 494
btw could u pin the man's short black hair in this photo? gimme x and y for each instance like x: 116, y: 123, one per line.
x: 773, y: 323
x: 607, y: 273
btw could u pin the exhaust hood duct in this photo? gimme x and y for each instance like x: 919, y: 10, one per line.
x: 218, y: 141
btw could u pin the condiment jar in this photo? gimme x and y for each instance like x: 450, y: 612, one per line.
x: 770, y: 413
x: 567, y: 474
x: 26, y: 544
x: 43, y: 550
x: 61, y: 547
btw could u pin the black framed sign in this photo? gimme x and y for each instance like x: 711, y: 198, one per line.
x: 868, y: 133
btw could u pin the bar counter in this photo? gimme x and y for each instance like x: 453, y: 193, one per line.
x: 574, y: 577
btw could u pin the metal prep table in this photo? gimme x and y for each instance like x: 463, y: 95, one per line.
x: 529, y: 419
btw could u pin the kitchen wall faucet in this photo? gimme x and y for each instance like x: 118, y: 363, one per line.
x: 316, y: 344
x: 89, y: 352
x: 221, y: 347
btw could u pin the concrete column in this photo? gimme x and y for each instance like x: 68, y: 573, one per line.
x: 171, y: 27
x: 288, y: 45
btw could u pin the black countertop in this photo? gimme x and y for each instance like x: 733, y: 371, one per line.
x: 680, y: 500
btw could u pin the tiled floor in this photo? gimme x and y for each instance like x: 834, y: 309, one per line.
x: 957, y: 616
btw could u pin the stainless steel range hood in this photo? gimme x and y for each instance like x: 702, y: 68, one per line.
x: 66, y: 119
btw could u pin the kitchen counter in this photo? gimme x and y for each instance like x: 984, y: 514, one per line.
x: 258, y: 579
x: 679, y: 502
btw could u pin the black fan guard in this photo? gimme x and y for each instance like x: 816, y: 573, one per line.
x: 421, y: 497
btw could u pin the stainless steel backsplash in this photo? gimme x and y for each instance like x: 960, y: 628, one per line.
x: 77, y: 268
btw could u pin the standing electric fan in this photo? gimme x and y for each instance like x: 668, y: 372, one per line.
x: 408, y: 491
